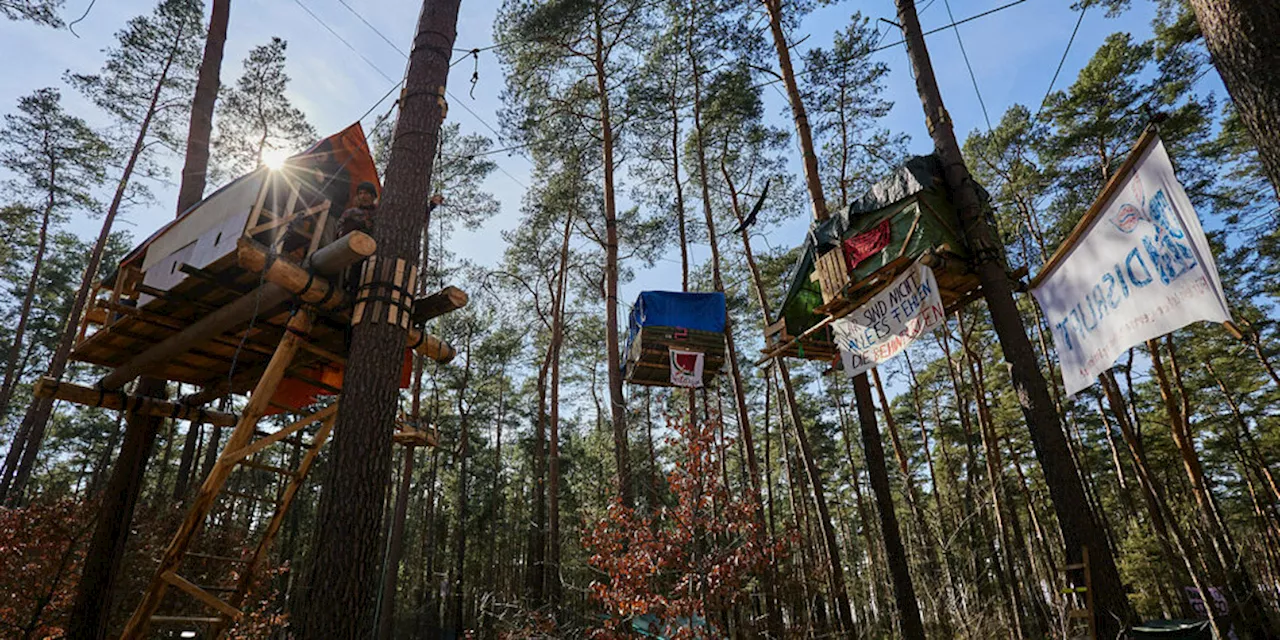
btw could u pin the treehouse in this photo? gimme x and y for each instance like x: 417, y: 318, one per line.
x: 249, y: 289
x: 855, y: 253
x: 675, y: 339
x: 205, y: 299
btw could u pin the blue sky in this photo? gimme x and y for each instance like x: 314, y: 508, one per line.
x: 1013, y: 52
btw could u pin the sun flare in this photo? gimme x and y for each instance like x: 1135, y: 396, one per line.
x: 275, y: 159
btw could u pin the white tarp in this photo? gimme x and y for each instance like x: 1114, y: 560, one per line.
x: 686, y: 368
x: 882, y: 327
x: 1141, y: 268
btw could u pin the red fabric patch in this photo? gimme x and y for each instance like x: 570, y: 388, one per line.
x: 686, y: 362
x: 866, y: 244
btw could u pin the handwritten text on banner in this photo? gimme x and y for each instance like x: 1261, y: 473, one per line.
x: 882, y: 327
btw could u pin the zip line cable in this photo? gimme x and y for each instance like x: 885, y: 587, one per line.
x: 880, y: 48
x: 343, y: 40
x: 469, y: 53
x: 1048, y: 92
x: 965, y: 55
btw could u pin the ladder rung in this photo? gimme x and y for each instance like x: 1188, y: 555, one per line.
x: 1072, y: 567
x: 266, y: 467
x: 212, y: 588
x: 184, y: 619
x: 1070, y: 590
x: 1078, y: 613
x: 206, y: 556
x: 293, y: 440
x: 202, y: 595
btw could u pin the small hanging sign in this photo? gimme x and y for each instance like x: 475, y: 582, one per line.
x: 686, y: 368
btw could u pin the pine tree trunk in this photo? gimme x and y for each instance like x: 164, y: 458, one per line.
x: 995, y: 477
x: 1251, y: 616
x: 458, y: 615
x: 24, y: 314
x: 813, y: 180
x: 111, y: 528
x: 911, y: 626
x: 617, y: 403
x: 340, y: 602
x: 553, y: 449
x: 535, y: 565
x: 1241, y: 37
x: 1075, y: 518
x: 1161, y: 519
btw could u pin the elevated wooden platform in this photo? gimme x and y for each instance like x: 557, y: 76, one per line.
x: 957, y: 286
x: 649, y: 360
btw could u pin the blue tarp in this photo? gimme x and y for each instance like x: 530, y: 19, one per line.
x: 697, y: 311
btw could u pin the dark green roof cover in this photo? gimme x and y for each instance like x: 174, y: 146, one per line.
x: 914, y: 200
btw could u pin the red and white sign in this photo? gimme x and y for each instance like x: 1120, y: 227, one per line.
x: 686, y: 368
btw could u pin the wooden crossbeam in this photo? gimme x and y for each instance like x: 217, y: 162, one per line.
x: 203, y: 596
x: 447, y: 300
x: 233, y: 456
x: 330, y: 259
x: 47, y: 387
x: 289, y: 276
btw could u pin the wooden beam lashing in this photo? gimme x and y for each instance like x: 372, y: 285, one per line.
x: 319, y: 291
x: 119, y: 401
x: 447, y: 300
x: 308, y: 285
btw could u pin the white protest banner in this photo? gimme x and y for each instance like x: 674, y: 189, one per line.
x: 686, y: 368
x: 1136, y: 267
x: 882, y: 327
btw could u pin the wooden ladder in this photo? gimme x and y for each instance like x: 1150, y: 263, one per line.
x: 238, y: 453
x: 1086, y: 594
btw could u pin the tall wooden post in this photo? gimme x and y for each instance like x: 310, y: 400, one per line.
x: 341, y: 600
x: 1079, y: 528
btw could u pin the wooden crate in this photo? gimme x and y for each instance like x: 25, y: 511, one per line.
x: 648, y: 361
x: 831, y: 272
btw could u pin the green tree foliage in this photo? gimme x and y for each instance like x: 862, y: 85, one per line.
x: 256, y: 119
x: 56, y: 161
x: 43, y: 12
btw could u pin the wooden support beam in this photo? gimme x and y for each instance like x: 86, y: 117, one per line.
x: 447, y: 300
x: 203, y: 501
x: 233, y: 456
x: 203, y: 596
x: 322, y: 293
x: 329, y: 260
x: 47, y: 387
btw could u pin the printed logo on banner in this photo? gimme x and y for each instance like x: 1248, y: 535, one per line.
x: 686, y: 368
x: 1143, y: 273
x: 892, y: 319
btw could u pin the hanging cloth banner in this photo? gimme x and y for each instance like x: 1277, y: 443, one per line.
x: 866, y: 244
x: 892, y: 319
x: 1136, y: 267
x: 686, y: 368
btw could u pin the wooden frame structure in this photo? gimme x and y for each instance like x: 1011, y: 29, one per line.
x: 1087, y: 631
x: 231, y: 317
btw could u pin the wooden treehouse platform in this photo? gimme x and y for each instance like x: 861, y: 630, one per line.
x: 649, y: 360
x: 247, y: 292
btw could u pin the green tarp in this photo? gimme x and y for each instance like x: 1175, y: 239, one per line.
x: 912, y: 198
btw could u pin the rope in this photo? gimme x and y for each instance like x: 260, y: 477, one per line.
x: 965, y: 55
